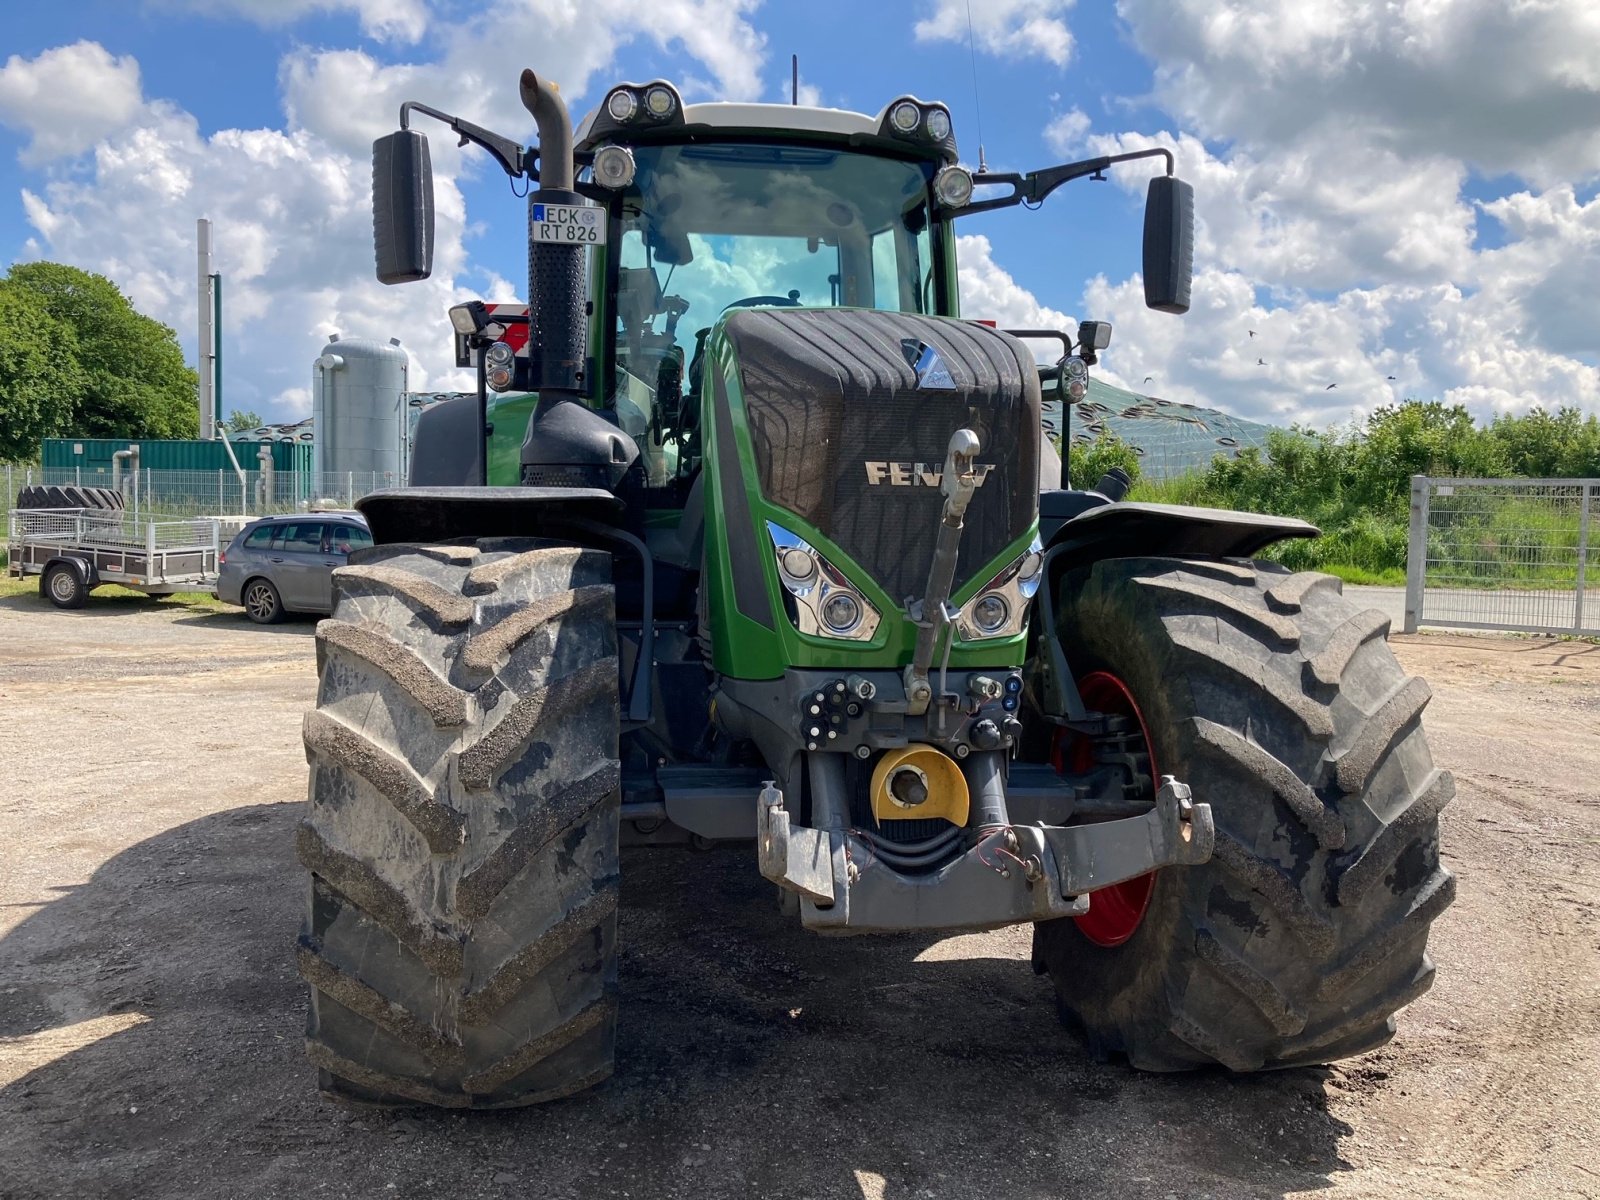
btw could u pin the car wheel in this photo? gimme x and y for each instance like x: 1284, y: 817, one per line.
x: 261, y: 601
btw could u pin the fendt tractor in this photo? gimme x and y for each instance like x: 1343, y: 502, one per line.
x: 750, y: 538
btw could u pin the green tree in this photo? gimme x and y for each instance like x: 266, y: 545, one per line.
x: 39, y: 374
x: 240, y: 420
x: 135, y: 383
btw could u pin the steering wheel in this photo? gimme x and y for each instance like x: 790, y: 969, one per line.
x: 792, y: 300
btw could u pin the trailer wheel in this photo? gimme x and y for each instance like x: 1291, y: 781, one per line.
x: 63, y: 586
x: 1279, y: 702
x: 262, y: 604
x: 462, y: 833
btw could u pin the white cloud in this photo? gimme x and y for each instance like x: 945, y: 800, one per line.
x: 1008, y: 28
x: 292, y: 208
x: 990, y: 293
x: 388, y: 20
x: 1502, y: 86
x: 68, y: 98
x: 1065, y: 134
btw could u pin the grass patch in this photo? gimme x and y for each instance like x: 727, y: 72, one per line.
x: 112, y: 593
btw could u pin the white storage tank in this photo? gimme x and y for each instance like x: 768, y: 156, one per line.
x: 358, y: 405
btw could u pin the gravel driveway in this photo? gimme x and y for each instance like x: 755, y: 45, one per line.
x: 150, y: 1016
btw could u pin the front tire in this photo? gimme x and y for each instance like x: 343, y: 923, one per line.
x: 1279, y: 702
x: 462, y: 836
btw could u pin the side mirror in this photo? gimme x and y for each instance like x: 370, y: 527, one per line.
x: 402, y: 207
x: 1168, y: 244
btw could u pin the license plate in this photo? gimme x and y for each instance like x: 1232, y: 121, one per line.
x: 569, y: 224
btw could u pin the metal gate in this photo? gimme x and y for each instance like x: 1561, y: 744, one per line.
x: 1502, y: 554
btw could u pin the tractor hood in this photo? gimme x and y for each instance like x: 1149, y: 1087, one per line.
x: 850, y: 413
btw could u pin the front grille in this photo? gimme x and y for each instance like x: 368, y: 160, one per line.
x: 846, y: 438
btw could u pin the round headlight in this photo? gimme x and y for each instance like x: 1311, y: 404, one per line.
x: 499, y: 355
x: 797, y: 564
x: 622, y: 104
x: 991, y: 612
x: 938, y: 124
x: 613, y: 167
x: 1030, y: 565
x: 905, y: 117
x: 841, y: 613
x: 953, y: 187
x: 498, y: 378
x: 659, y: 102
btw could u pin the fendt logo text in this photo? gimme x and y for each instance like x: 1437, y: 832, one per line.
x: 916, y: 474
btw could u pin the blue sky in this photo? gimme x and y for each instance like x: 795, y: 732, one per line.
x: 1411, y: 199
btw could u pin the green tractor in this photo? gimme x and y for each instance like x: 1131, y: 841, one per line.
x: 750, y: 538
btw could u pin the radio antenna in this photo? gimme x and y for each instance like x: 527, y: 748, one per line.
x: 972, y: 49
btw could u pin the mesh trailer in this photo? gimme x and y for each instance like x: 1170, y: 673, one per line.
x: 75, y: 550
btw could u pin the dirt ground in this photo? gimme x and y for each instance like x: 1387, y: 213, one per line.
x: 150, y: 1016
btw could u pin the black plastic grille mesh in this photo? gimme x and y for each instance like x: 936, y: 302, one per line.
x: 830, y: 391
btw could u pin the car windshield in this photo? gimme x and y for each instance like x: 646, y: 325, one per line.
x: 706, y: 228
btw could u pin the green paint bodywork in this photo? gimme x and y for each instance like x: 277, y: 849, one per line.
x: 743, y: 648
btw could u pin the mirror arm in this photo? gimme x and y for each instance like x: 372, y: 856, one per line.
x: 513, y: 159
x: 1032, y: 188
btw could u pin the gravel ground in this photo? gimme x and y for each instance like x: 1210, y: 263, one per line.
x: 150, y: 1016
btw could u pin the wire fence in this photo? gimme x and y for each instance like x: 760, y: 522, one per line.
x: 225, y: 493
x: 1503, y: 554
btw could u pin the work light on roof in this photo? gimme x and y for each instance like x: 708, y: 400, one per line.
x: 660, y: 103
x: 622, y: 104
x: 938, y: 124
x: 905, y: 117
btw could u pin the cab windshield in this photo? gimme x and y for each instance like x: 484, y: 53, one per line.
x: 708, y: 228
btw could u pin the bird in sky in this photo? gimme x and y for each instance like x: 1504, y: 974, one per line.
x: 1391, y: 378
x: 1148, y: 378
x: 1251, y: 332
x: 1261, y: 362
x: 1330, y: 387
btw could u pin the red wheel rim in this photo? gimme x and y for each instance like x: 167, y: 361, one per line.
x: 1114, y: 912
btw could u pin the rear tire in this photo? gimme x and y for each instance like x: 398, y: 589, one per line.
x: 37, y: 496
x: 1279, y: 702
x: 462, y: 834
x: 64, y: 587
x: 261, y: 601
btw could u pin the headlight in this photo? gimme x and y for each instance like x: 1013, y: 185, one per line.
x: 990, y: 612
x: 841, y: 612
x: 1000, y: 609
x: 499, y: 355
x: 498, y: 378
x: 938, y: 124
x: 622, y: 105
x: 613, y: 167
x: 824, y: 603
x: 660, y: 103
x: 905, y: 117
x: 953, y: 186
x: 464, y: 317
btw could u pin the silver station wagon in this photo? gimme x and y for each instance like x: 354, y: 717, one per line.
x: 285, y: 563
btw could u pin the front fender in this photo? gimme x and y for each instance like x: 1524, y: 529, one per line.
x: 1126, y: 530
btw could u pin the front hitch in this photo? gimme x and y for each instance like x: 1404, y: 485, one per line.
x: 929, y: 613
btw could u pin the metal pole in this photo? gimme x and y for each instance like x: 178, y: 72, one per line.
x: 1417, y: 552
x: 1587, y: 496
x: 216, y: 352
x: 205, y: 354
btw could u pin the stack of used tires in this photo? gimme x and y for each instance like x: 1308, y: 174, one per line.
x: 37, y: 496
